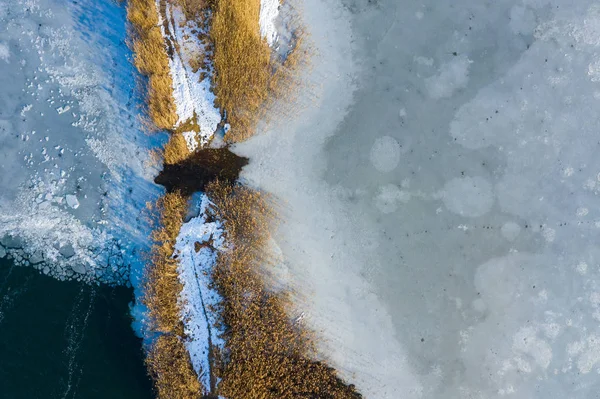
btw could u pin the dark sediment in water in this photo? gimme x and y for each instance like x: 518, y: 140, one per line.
x: 202, y: 167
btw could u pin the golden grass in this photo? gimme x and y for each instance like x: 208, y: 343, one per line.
x: 175, y: 150
x: 142, y: 14
x: 152, y: 60
x: 146, y: 52
x: 266, y: 354
x: 162, y: 284
x: 170, y: 366
x: 242, y: 64
x: 192, y: 8
x: 168, y: 360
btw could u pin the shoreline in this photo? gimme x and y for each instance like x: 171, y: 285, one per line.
x: 206, y: 315
x: 412, y: 215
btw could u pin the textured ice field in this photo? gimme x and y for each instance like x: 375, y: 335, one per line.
x: 440, y: 190
x: 75, y: 173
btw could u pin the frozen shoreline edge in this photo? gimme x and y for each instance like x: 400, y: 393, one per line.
x: 199, y: 241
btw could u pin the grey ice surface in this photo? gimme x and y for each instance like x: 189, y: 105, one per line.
x: 440, y: 192
x: 74, y: 176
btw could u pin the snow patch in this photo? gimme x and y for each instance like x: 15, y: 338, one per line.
x: 196, y: 249
x: 190, y: 140
x: 269, y: 10
x: 63, y: 109
x: 191, y: 90
x: 4, y: 52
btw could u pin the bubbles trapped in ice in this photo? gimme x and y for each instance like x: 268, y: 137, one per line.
x: 388, y: 197
x: 468, y: 196
x: 385, y: 154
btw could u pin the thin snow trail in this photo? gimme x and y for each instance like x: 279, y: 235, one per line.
x: 196, y: 249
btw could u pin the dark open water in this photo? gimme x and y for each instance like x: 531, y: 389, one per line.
x: 66, y: 339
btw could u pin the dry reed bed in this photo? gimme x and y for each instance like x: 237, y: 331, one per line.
x: 152, y: 60
x: 176, y: 150
x: 266, y: 355
x: 192, y: 9
x: 168, y: 360
x: 242, y: 62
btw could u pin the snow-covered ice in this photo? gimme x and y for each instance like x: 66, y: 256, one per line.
x: 74, y: 160
x: 72, y: 201
x: 453, y: 75
x: 468, y: 196
x: 462, y: 262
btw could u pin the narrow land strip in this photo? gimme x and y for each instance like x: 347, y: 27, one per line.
x: 265, y: 354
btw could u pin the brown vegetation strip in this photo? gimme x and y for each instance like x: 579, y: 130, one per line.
x: 266, y: 355
x: 152, y: 60
x: 168, y: 360
x: 242, y: 64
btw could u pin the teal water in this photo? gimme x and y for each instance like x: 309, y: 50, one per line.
x: 66, y: 339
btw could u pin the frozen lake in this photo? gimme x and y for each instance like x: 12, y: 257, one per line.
x: 75, y: 164
x: 438, y: 182
x: 440, y: 195
x: 75, y: 177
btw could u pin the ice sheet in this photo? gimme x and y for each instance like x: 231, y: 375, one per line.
x: 75, y: 171
x: 440, y: 191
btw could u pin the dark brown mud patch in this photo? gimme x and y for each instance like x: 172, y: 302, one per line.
x: 202, y: 167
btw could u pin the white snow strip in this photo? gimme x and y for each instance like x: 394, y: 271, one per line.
x: 193, y: 98
x: 269, y: 10
x: 196, y: 250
